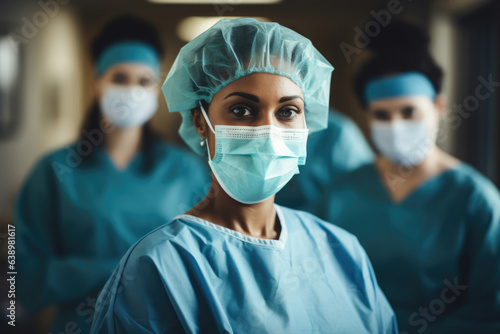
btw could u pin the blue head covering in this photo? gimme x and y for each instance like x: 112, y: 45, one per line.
x: 128, y: 52
x: 234, y: 48
x: 400, y: 85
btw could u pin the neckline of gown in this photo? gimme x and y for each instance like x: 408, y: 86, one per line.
x: 106, y: 158
x: 426, y: 183
x: 273, y: 243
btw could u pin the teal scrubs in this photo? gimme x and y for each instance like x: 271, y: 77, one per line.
x: 193, y: 276
x: 338, y: 149
x: 436, y: 253
x: 75, y: 220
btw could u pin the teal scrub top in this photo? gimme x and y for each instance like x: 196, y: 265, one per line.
x: 436, y: 253
x: 193, y: 276
x: 338, y: 149
x: 75, y: 219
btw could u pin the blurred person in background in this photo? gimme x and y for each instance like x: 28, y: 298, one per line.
x: 84, y: 205
x: 248, y: 92
x: 430, y: 223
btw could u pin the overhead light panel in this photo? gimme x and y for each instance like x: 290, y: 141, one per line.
x: 192, y: 26
x: 216, y: 2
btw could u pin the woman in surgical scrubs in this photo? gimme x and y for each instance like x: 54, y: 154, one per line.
x: 429, y: 223
x: 84, y: 205
x: 248, y: 92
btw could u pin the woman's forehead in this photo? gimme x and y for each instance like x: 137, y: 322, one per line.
x: 133, y: 69
x: 262, y: 85
x: 400, y: 102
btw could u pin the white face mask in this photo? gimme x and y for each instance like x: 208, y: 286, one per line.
x: 403, y: 142
x: 129, y: 106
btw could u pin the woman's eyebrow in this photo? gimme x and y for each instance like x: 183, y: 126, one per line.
x: 244, y: 95
x: 288, y: 98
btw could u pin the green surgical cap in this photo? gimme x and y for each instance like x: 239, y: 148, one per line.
x: 233, y: 48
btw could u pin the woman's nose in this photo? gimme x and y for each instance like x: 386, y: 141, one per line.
x: 266, y: 117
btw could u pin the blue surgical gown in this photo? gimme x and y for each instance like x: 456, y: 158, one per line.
x: 193, y: 276
x: 436, y: 253
x: 338, y: 149
x: 75, y: 220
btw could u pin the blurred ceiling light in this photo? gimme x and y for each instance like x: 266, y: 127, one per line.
x: 459, y: 5
x: 192, y: 26
x: 217, y: 2
x: 8, y: 62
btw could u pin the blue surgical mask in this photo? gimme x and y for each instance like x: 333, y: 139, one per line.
x: 129, y: 106
x: 404, y: 142
x: 252, y: 163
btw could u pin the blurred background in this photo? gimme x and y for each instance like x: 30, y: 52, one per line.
x: 45, y: 67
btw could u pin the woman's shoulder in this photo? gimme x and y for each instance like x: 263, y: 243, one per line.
x: 138, y: 279
x: 483, y: 197
x: 59, y: 154
x: 470, y: 181
x: 171, y: 237
x: 161, y: 236
x: 61, y: 159
x: 467, y: 174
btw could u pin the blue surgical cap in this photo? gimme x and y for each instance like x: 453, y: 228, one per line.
x: 399, y: 85
x: 128, y: 52
x: 234, y: 48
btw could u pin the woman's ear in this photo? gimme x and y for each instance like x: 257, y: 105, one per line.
x: 441, y: 102
x: 199, y: 122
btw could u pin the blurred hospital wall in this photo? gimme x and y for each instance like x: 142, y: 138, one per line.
x: 46, y: 72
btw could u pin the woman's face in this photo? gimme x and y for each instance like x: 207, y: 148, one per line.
x: 410, y: 108
x: 127, y: 75
x: 254, y: 100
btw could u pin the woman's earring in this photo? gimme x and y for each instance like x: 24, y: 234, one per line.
x: 202, y: 143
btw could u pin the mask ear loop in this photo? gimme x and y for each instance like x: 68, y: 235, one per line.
x: 203, y: 112
x: 206, y: 117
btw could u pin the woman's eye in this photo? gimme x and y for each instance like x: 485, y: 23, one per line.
x: 287, y: 113
x: 120, y: 78
x: 407, y: 112
x: 145, y: 81
x: 242, y: 111
x: 381, y: 115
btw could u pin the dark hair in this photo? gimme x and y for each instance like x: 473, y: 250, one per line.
x: 126, y: 28
x: 123, y: 28
x: 400, y: 47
